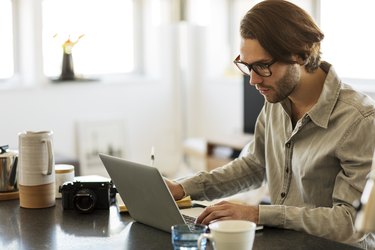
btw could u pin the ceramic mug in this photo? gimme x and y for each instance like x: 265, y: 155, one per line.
x: 36, y: 169
x: 230, y: 235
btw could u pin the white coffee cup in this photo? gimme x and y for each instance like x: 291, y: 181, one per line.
x: 230, y: 235
x: 63, y: 173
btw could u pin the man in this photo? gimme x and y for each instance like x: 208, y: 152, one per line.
x: 314, y: 138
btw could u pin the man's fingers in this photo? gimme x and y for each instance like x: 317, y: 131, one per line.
x: 212, y: 213
x: 227, y: 210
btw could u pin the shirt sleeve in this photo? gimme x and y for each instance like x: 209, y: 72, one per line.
x: 230, y: 179
x: 241, y: 174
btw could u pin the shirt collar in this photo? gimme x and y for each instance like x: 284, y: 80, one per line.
x: 322, y: 110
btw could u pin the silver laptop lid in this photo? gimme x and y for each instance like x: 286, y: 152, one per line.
x: 144, y: 193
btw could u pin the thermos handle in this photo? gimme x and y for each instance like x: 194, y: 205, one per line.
x: 50, y: 156
x: 13, y: 172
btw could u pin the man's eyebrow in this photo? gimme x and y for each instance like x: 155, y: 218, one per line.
x: 258, y: 61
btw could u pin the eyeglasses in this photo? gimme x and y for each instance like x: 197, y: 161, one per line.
x: 262, y: 69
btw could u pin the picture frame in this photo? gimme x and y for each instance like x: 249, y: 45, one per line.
x: 99, y: 136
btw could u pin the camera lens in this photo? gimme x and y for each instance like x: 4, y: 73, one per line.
x: 85, y: 200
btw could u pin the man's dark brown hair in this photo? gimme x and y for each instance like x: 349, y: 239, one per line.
x: 284, y: 29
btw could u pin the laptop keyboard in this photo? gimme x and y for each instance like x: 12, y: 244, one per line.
x: 189, y: 219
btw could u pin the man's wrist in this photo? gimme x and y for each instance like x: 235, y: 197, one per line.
x: 180, y: 191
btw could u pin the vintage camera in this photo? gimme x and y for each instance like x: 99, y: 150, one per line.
x: 87, y: 193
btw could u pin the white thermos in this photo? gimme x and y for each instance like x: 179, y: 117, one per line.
x: 36, y: 169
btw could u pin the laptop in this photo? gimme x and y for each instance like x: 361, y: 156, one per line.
x: 146, y: 195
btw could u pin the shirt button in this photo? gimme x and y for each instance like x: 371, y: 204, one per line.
x: 287, y: 170
x: 282, y: 194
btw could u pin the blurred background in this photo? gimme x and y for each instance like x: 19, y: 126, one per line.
x: 149, y: 73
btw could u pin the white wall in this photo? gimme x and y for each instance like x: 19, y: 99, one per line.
x: 148, y: 106
x: 145, y: 106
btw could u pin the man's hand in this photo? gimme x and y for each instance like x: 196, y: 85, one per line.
x: 176, y: 189
x: 225, y: 210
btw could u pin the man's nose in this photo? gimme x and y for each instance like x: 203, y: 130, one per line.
x: 255, y: 78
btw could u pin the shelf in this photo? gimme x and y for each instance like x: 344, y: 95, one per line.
x: 221, y: 150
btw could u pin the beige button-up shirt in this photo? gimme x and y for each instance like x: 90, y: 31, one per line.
x: 314, y: 171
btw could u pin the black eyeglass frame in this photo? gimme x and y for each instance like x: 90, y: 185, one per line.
x: 253, y: 66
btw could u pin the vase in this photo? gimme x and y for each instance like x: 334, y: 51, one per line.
x: 67, y: 70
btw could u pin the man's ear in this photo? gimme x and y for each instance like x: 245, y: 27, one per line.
x: 299, y: 60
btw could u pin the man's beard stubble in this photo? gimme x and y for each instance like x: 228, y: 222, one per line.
x: 286, y: 85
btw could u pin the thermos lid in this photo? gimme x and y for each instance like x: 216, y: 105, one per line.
x: 5, y: 152
x: 3, y: 148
